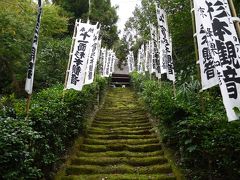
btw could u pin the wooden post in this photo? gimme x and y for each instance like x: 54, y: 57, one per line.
x: 28, y: 105
x: 197, y: 55
x: 174, y: 90
x: 234, y: 14
x: 160, y: 82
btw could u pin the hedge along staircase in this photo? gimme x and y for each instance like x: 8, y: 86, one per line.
x: 119, y: 145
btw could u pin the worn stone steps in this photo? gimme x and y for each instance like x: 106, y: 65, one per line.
x: 120, y: 144
x: 106, y: 161
x: 118, y: 169
x: 120, y: 141
x: 121, y: 177
x: 120, y: 154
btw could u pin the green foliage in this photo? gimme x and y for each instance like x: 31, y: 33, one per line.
x: 29, y: 148
x: 17, y: 21
x: 52, y: 62
x: 17, y: 150
x: 180, y: 27
x: 206, y: 144
x: 101, y: 11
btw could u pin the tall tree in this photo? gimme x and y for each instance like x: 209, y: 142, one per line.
x: 100, y: 11
x: 17, y: 22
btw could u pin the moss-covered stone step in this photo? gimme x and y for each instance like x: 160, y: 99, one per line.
x: 116, y: 136
x: 116, y: 119
x: 120, y: 141
x: 120, y: 154
x: 121, y: 177
x: 130, y: 125
x: 131, y: 112
x: 106, y: 161
x: 119, y: 132
x: 121, y: 147
x: 149, y: 128
x: 118, y: 169
x: 120, y: 118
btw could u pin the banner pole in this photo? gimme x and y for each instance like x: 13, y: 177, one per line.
x: 28, y: 105
x: 174, y: 90
x: 197, y: 55
x: 234, y: 14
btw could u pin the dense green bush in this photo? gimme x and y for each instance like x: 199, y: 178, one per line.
x: 30, y: 147
x: 206, y: 144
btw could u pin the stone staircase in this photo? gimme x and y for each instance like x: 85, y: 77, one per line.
x: 119, y: 145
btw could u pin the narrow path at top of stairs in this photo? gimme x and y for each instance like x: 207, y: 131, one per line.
x: 119, y: 144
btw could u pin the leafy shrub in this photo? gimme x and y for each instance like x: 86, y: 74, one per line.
x: 208, y: 146
x: 29, y: 148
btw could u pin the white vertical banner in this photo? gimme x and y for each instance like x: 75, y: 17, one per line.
x: 140, y: 59
x: 81, y: 50
x: 112, y: 63
x: 147, y: 55
x: 130, y: 60
x: 220, y: 39
x: 92, y: 60
x: 164, y: 39
x: 170, y: 68
x: 150, y: 57
x: 209, y: 76
x: 108, y: 63
x: 155, y: 53
x: 32, y: 63
x: 102, y: 61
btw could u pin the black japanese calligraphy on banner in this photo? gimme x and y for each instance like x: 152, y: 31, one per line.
x: 165, y: 43
x: 155, y: 52
x: 219, y: 50
x: 31, y: 65
x: 102, y: 60
x: 81, y: 50
x: 112, y: 63
x: 147, y: 57
x: 141, y: 59
x: 108, y: 63
x: 92, y: 60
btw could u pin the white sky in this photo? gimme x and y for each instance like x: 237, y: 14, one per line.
x: 126, y: 7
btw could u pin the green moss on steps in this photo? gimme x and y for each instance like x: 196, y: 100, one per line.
x: 121, y: 144
x: 121, y: 177
x: 118, y: 169
x: 120, y: 154
x: 127, y: 141
x: 106, y: 161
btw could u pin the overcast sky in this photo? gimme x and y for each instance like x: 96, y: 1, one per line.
x: 126, y: 7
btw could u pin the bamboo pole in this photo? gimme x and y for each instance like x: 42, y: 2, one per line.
x: 234, y: 14
x: 197, y: 55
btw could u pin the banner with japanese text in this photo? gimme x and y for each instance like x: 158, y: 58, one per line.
x: 92, y: 60
x: 147, y: 57
x: 108, y: 63
x: 130, y: 60
x: 222, y: 50
x: 31, y: 65
x: 80, y: 55
x: 155, y: 52
x: 164, y: 39
x: 170, y: 67
x: 206, y: 48
x: 141, y: 59
x: 103, y: 54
